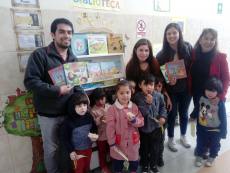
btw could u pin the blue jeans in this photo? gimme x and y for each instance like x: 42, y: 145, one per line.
x: 180, y: 101
x: 207, y: 137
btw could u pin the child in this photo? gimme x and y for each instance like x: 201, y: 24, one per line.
x: 159, y: 83
x: 153, y: 109
x: 212, y: 121
x: 75, y: 132
x: 123, y: 120
x: 99, y: 106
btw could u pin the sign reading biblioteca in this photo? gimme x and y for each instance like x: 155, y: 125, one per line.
x: 112, y: 5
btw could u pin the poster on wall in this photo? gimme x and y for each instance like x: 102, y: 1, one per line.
x: 111, y: 5
x: 26, y: 19
x: 29, y: 40
x: 23, y: 60
x: 162, y: 5
x: 141, y: 28
x: 157, y: 48
x: 25, y: 3
x: 181, y: 21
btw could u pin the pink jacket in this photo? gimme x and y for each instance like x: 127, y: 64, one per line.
x: 121, y: 132
x: 97, y: 112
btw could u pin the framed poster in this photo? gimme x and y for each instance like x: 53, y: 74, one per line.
x: 25, y: 3
x: 26, y: 19
x: 29, y: 40
x: 181, y: 21
x: 23, y: 60
x: 157, y: 48
x: 161, y: 5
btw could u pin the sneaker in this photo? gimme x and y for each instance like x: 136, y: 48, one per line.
x: 210, y: 161
x: 160, y: 161
x: 172, y: 144
x: 145, y: 169
x: 154, y: 170
x: 198, y: 161
x: 185, y: 141
x: 105, y: 170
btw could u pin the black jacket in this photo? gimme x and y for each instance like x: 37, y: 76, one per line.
x: 76, y: 129
x: 187, y: 56
x: 47, y: 99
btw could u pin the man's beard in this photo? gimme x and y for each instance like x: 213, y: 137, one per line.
x: 63, y: 46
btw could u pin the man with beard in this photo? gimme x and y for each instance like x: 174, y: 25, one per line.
x: 50, y: 101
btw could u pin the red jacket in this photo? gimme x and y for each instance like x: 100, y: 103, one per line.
x: 219, y: 68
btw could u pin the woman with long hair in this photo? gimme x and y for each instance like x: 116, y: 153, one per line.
x: 143, y: 61
x: 207, y: 61
x: 174, y: 48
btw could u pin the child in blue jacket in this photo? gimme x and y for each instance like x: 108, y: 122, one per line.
x: 212, y: 121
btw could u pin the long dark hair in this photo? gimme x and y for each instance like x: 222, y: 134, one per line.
x: 99, y: 93
x: 134, y: 72
x: 166, y: 46
x: 215, y: 50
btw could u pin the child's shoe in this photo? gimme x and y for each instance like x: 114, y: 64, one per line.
x: 145, y: 169
x: 154, y: 170
x: 198, y: 161
x: 160, y: 161
x: 210, y: 161
x: 105, y: 170
x: 172, y: 144
x: 185, y: 141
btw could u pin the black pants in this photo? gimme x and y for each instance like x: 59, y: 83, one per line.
x: 161, y: 145
x: 149, y: 144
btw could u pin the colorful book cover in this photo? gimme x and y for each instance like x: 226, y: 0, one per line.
x: 176, y: 69
x: 76, y: 73
x: 110, y: 82
x: 94, y: 69
x: 118, y: 67
x: 108, y: 68
x: 92, y: 85
x: 79, y: 44
x: 164, y: 73
x: 57, y: 75
x: 115, y: 43
x: 97, y: 45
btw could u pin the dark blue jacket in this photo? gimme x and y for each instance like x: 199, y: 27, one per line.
x: 76, y: 129
x: 221, y: 115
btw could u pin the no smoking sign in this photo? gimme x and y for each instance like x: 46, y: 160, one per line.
x: 141, y: 28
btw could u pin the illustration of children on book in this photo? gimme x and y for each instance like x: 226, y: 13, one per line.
x: 120, y: 43
x: 83, y: 80
x: 180, y: 71
x: 59, y: 76
x: 79, y: 45
x: 173, y: 70
x: 114, y: 46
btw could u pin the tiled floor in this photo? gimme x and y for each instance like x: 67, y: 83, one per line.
x: 183, y: 160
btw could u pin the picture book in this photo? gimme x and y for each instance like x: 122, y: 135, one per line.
x: 108, y: 68
x: 97, y: 45
x: 76, y: 73
x: 115, y: 43
x: 92, y: 85
x: 176, y: 69
x: 94, y: 69
x: 164, y: 73
x: 57, y: 75
x: 79, y: 44
x: 118, y: 67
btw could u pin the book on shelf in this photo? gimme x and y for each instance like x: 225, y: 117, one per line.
x: 115, y: 43
x: 108, y: 68
x: 94, y: 69
x: 79, y: 44
x: 97, y: 44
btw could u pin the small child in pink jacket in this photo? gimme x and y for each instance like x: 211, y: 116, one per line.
x: 123, y: 119
x: 100, y: 101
